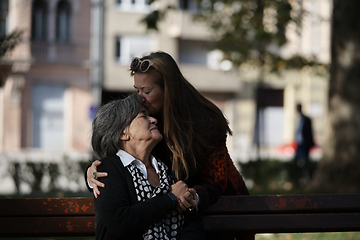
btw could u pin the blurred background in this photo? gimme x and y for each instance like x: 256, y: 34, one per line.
x: 255, y: 59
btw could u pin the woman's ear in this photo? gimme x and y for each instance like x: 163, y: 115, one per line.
x: 124, y: 136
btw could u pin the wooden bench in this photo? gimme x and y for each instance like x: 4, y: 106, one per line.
x: 254, y: 214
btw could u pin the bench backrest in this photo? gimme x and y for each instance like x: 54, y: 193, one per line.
x: 257, y: 214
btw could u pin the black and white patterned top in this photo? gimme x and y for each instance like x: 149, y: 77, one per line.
x: 169, y: 227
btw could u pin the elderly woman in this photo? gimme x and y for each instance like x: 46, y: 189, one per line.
x: 141, y: 199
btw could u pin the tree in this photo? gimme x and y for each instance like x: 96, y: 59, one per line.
x: 248, y: 31
x: 254, y: 30
x: 8, y: 42
x: 339, y: 169
x: 251, y: 32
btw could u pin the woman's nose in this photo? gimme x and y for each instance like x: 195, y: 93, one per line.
x: 143, y: 99
x: 153, y: 120
x: 140, y: 94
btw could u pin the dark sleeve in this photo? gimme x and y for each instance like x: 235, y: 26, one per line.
x: 212, y: 178
x: 117, y: 206
x: 217, y: 176
x: 209, y: 193
x: 307, y: 133
x: 193, y: 228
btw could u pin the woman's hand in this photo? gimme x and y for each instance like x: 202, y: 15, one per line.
x: 91, y: 173
x: 194, y: 201
x: 179, y: 189
x: 188, y: 203
x: 187, y: 198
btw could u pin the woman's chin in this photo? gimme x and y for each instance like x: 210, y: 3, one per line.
x: 157, y: 137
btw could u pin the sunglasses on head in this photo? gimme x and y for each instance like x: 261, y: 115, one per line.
x: 142, y: 66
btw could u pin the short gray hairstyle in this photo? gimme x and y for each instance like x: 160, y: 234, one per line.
x: 109, y: 123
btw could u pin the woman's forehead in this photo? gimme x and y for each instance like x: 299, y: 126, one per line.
x: 143, y: 80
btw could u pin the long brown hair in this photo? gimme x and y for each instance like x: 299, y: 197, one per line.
x: 192, y: 123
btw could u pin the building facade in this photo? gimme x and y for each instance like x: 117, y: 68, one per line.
x: 258, y: 132
x: 75, y: 55
x: 45, y: 94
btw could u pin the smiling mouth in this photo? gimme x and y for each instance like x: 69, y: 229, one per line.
x: 153, y: 128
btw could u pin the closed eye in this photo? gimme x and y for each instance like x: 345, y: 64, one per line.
x: 144, y: 114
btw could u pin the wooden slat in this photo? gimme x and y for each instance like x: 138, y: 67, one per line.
x: 226, y: 205
x: 258, y: 214
x: 47, y: 226
x: 262, y: 223
x: 45, y: 206
x: 284, y: 223
x: 286, y: 204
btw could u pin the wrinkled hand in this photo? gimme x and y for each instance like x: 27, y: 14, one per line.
x: 179, y: 189
x: 194, y: 201
x: 188, y: 203
x: 187, y: 198
x: 93, y: 182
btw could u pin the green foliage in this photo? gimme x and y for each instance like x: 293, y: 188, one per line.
x: 152, y: 19
x: 9, y: 42
x: 249, y: 31
x: 277, y: 176
x: 44, y: 177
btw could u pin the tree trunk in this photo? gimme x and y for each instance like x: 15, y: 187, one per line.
x: 339, y: 169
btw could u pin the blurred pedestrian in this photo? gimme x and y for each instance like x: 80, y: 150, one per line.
x: 304, y: 140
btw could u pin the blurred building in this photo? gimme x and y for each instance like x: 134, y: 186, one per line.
x: 50, y: 88
x: 277, y: 95
x: 270, y: 124
x: 123, y: 37
x: 45, y: 90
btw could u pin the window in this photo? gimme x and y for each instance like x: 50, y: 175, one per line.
x: 118, y: 48
x: 39, y: 19
x: 2, y: 27
x: 269, y: 126
x: 188, y: 5
x: 193, y: 52
x: 4, y: 8
x: 4, y: 5
x: 48, y: 111
x: 272, y: 126
x: 63, y: 21
x: 133, y: 5
x: 127, y: 47
x: 200, y: 53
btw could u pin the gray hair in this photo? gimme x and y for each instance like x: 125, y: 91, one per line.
x: 109, y: 123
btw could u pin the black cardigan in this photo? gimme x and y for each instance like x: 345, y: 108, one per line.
x: 119, y: 215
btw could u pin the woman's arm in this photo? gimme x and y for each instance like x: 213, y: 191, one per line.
x: 91, y: 183
x: 218, y: 176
